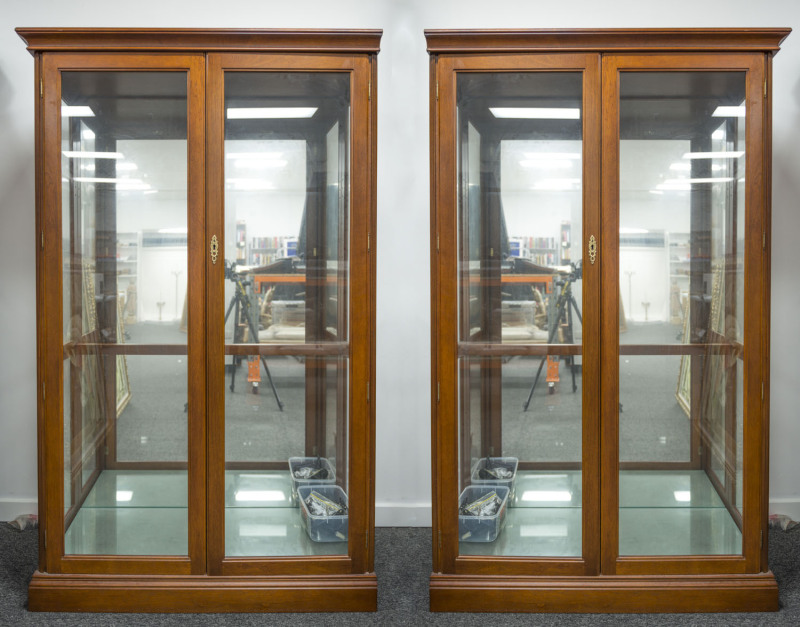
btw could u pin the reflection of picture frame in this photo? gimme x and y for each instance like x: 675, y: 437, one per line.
x: 683, y: 391
x: 123, y: 384
x: 717, y: 320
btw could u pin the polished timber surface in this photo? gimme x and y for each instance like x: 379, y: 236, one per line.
x: 144, y: 512
x: 661, y: 513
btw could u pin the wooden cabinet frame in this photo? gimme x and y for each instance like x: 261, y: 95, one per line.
x: 600, y: 580
x: 205, y: 580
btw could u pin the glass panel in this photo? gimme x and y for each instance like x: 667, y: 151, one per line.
x: 124, y: 229
x: 520, y: 208
x: 286, y: 255
x: 681, y: 262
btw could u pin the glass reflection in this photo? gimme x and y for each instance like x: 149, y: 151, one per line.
x: 520, y: 209
x: 124, y: 282
x: 286, y: 321
x: 681, y: 264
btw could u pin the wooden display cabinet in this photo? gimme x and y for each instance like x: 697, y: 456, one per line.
x: 592, y: 450
x: 166, y: 432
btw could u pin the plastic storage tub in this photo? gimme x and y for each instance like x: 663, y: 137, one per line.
x: 316, y: 462
x: 509, y: 463
x: 324, y: 528
x: 481, y: 528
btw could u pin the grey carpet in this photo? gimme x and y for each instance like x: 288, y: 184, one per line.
x: 402, y: 563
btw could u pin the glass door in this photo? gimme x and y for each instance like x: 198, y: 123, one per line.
x: 525, y: 136
x: 685, y: 136
x: 286, y: 266
x: 128, y: 178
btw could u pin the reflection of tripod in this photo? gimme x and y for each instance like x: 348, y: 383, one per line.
x: 241, y: 304
x: 563, y: 311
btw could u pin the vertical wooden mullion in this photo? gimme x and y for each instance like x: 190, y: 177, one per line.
x: 608, y: 251
x: 591, y: 296
x: 215, y: 311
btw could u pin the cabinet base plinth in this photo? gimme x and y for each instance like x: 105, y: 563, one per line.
x: 609, y: 594
x: 164, y: 593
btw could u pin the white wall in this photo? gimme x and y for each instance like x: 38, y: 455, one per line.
x: 403, y: 335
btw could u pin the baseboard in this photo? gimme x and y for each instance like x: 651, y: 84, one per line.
x: 389, y: 514
x: 11, y: 508
x: 789, y: 507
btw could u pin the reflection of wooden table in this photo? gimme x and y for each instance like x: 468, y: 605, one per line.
x: 544, y: 279
x: 274, y: 279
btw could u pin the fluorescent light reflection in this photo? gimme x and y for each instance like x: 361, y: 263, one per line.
x: 270, y: 113
x: 77, y: 111
x: 624, y: 230
x: 718, y: 179
x: 729, y: 112
x: 87, y: 133
x: 718, y: 134
x: 123, y: 496
x: 724, y: 154
x: 253, y: 155
x: 536, y: 113
x: 557, y: 184
x: 260, y: 530
x: 88, y: 154
x: 249, y: 184
x: 544, y: 531
x: 263, y: 496
x: 259, y: 164
x: 540, y: 496
x: 175, y: 231
x: 550, y: 164
x: 122, y: 184
x: 683, y: 496
x: 573, y: 156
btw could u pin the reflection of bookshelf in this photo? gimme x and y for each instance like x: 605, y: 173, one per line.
x: 540, y: 250
x: 264, y: 250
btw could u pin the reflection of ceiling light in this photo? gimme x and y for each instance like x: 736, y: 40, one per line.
x: 151, y: 191
x: 177, y: 230
x: 544, y: 531
x: 89, y: 167
x: 124, y: 495
x: 126, y: 167
x: 671, y: 182
x: 683, y: 496
x: 88, y: 154
x: 261, y: 530
x: 547, y: 495
x: 733, y: 154
x: 249, y: 184
x: 624, y: 230
x: 259, y: 164
x: 557, y: 184
x: 656, y: 191
x: 87, y: 133
x: 122, y: 184
x: 259, y: 495
x: 680, y: 167
x: 253, y: 155
x: 729, y: 112
x: 718, y: 134
x: 552, y: 155
x: 264, y: 113
x: 546, y: 164
x: 68, y: 111
x: 536, y: 113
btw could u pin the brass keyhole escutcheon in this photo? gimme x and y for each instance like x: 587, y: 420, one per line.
x: 592, y: 249
x: 214, y: 249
